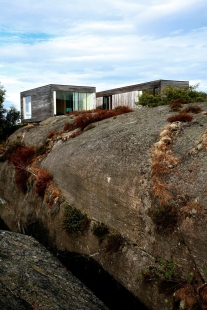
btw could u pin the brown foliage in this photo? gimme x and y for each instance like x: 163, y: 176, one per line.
x: 175, y: 106
x: 68, y: 127
x: 188, y: 295
x: 21, y: 158
x: 182, y: 117
x: 42, y: 181
x: 85, y: 118
x: 52, y: 134
x: 192, y: 109
x: 180, y: 101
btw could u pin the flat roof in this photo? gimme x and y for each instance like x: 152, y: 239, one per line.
x: 139, y: 86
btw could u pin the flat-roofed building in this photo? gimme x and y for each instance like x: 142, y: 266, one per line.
x: 43, y: 102
x: 128, y: 95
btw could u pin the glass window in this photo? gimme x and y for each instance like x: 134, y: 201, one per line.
x: 82, y: 101
x: 73, y: 101
x: 89, y: 101
x: 27, y: 107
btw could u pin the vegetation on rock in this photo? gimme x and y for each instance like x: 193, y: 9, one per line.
x: 100, y: 230
x: 8, y: 118
x: 169, y: 94
x: 73, y: 220
x: 182, y: 117
x: 44, y: 177
x: 164, y: 217
x: 113, y: 242
x: 85, y: 118
x: 187, y: 289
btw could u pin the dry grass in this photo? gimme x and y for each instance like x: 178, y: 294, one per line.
x: 85, y: 118
x: 191, y: 109
x: 182, y: 117
x: 42, y: 181
x: 53, y: 133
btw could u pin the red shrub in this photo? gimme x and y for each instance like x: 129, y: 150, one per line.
x: 68, y: 127
x: 43, y: 179
x: 21, y: 158
x: 175, y: 106
x: 180, y: 101
x: 182, y: 117
x: 52, y: 134
x: 84, y: 118
x: 192, y: 109
x: 123, y: 109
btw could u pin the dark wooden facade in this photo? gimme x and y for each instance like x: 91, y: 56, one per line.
x: 44, y: 103
x: 128, y: 95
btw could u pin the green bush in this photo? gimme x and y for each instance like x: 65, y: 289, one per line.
x: 149, y: 100
x: 170, y: 93
x: 100, y: 230
x: 74, y: 221
x: 114, y: 242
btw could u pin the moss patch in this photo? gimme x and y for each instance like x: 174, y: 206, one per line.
x: 74, y: 221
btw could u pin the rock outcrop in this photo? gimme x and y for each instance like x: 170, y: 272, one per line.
x: 139, y: 176
x: 31, y: 278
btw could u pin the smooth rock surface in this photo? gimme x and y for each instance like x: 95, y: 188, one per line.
x: 108, y: 172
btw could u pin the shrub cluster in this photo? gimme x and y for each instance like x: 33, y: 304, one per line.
x: 113, y: 239
x: 176, y: 105
x: 182, y: 117
x: 74, y: 221
x: 20, y: 156
x: 170, y: 94
x: 164, y: 217
x: 42, y: 181
x: 52, y: 134
x: 113, y: 242
x: 85, y: 118
x: 100, y: 230
x: 187, y: 289
x: 191, y: 109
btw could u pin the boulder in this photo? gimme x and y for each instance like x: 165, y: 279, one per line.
x: 32, y: 278
x: 141, y: 177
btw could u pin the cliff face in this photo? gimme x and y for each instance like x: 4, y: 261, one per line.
x: 140, y: 176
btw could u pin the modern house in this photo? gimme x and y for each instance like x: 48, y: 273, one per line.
x: 43, y: 102
x: 128, y: 95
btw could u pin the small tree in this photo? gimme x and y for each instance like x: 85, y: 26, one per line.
x: 8, y: 118
x: 12, y: 117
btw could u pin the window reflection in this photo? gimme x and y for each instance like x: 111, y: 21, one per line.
x: 67, y: 102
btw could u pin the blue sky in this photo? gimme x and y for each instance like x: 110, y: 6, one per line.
x: 101, y: 43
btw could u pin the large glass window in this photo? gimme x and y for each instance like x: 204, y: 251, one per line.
x: 67, y: 102
x: 27, y: 107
